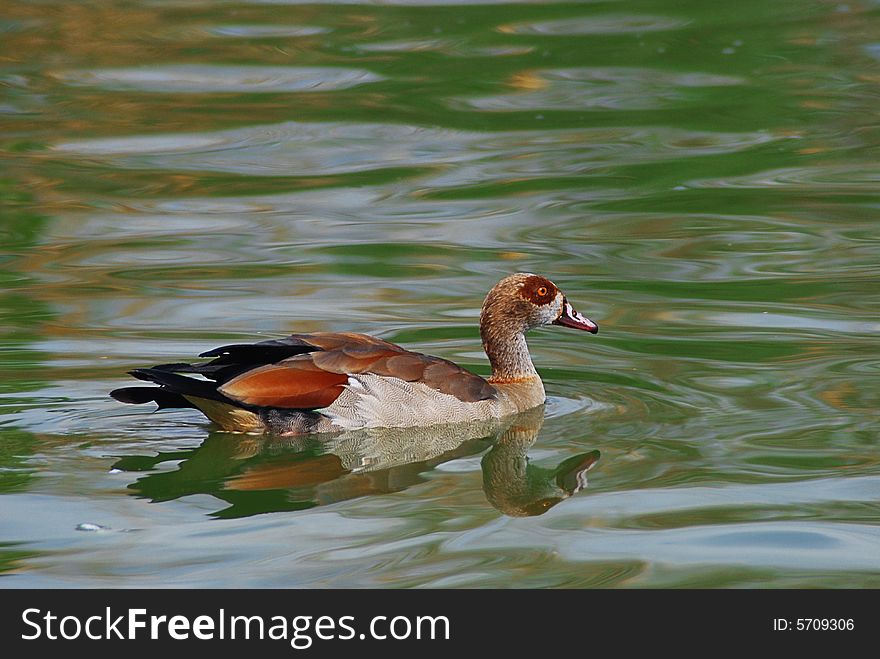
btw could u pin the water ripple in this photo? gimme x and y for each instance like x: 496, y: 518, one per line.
x: 264, y: 31
x: 449, y: 47
x: 607, y: 24
x: 196, y: 79
x: 606, y: 88
x: 309, y: 149
x: 703, y: 184
x: 850, y: 177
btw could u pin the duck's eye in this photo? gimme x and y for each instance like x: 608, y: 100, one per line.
x: 542, y: 291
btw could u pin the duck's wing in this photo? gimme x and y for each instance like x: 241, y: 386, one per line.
x: 315, y: 379
x: 301, y: 371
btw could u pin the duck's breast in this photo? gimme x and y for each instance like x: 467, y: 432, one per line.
x: 374, y: 401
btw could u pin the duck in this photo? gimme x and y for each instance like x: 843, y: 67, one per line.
x: 329, y: 382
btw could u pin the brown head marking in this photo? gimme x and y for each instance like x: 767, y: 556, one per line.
x: 538, y: 290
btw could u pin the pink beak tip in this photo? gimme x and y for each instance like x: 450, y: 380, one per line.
x: 571, y: 318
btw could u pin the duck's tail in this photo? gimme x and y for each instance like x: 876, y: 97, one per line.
x: 173, y: 390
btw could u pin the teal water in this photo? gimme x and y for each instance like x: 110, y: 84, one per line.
x: 700, y: 178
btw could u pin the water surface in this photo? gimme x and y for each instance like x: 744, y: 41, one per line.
x: 701, y: 179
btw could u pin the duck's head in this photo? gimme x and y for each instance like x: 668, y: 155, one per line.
x: 524, y: 301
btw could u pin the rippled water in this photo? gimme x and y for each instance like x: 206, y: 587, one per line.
x: 700, y: 178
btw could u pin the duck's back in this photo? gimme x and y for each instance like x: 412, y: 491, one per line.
x: 323, y: 382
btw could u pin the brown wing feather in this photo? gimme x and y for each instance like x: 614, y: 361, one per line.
x: 344, y: 361
x: 315, y: 380
x: 449, y: 378
x: 345, y: 340
x: 294, y: 383
x: 408, y: 366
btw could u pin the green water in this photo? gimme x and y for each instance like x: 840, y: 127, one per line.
x: 701, y: 179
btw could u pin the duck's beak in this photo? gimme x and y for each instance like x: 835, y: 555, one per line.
x: 571, y: 318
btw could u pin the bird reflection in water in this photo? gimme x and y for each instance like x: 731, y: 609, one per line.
x: 261, y: 474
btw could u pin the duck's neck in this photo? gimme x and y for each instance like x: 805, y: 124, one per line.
x: 508, y: 353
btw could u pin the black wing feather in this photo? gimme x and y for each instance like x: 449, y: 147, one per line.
x: 159, y: 395
x: 230, y: 361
